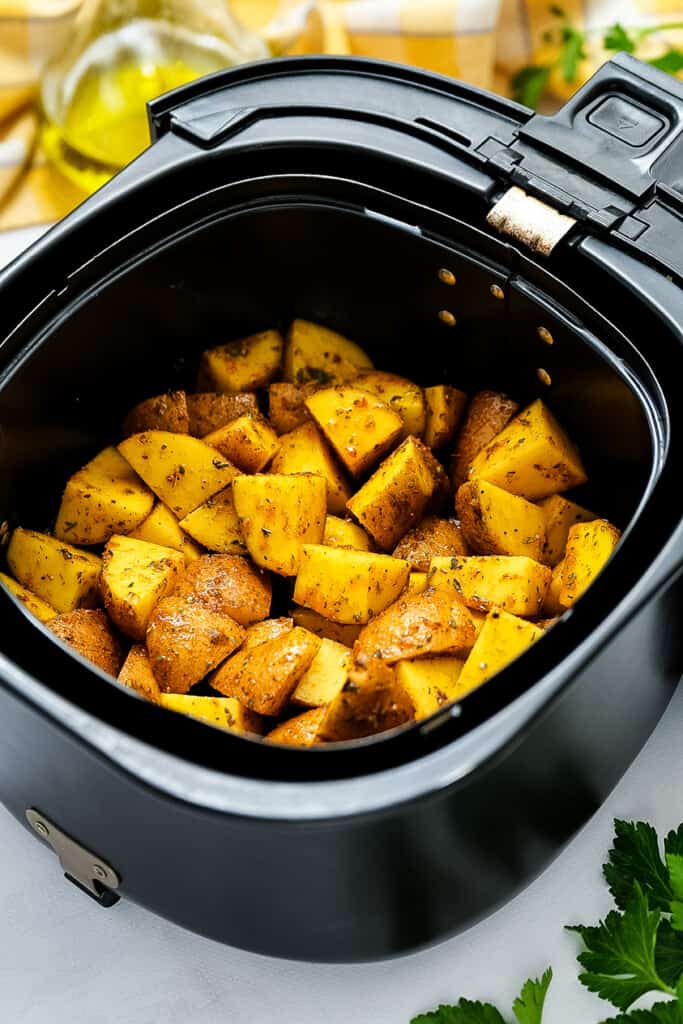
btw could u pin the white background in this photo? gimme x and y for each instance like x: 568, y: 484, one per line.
x: 64, y: 960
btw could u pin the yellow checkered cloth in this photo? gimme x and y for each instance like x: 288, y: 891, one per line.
x: 480, y: 41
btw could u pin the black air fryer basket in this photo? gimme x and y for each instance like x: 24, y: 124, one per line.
x: 337, y: 190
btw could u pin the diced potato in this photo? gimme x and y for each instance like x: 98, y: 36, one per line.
x: 183, y: 471
x: 442, y: 486
x: 249, y: 442
x: 264, y: 677
x: 348, y: 586
x: 551, y: 604
x: 488, y: 413
x: 503, y: 638
x: 136, y: 575
x: 60, y: 574
x: 371, y: 702
x: 417, y: 583
x: 304, y: 450
x: 515, y: 583
x: 315, y: 353
x: 532, y: 456
x: 279, y: 514
x: 89, y: 632
x: 221, y: 712
x: 400, y: 394
x: 495, y: 522
x: 589, y: 548
x: 429, y: 683
x: 269, y: 629
x: 340, y: 533
x: 395, y: 497
x: 414, y: 626
x: 34, y: 604
x: 215, y: 524
x: 359, y: 426
x: 302, y: 731
x: 103, y: 498
x: 325, y: 677
x: 227, y: 585
x: 432, y: 538
x: 287, y: 405
x: 137, y: 674
x: 243, y: 365
x: 318, y: 624
x: 560, y: 514
x: 162, y: 527
x: 186, y: 640
x: 210, y: 410
x: 163, y: 412
x: 444, y: 410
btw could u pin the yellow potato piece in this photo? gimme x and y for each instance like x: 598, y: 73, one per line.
x: 137, y: 674
x: 216, y: 526
x: 183, y: 471
x: 249, y: 442
x: 495, y: 522
x: 551, y: 604
x: 487, y: 414
x: 89, y: 632
x: 269, y: 629
x: 103, y: 498
x: 370, y: 703
x: 41, y: 609
x: 319, y: 355
x: 359, y: 426
x: 301, y: 731
x: 589, y: 548
x: 210, y: 410
x: 304, y: 450
x: 348, y: 586
x: 429, y: 683
x: 243, y: 365
x: 560, y: 514
x: 503, y: 638
x: 515, y: 583
x: 400, y: 394
x: 136, y: 575
x: 417, y: 583
x: 431, y: 538
x: 325, y: 677
x: 161, y: 527
x: 162, y: 412
x: 340, y: 533
x: 221, y: 712
x: 286, y: 405
x: 444, y: 410
x: 415, y: 626
x: 58, y: 573
x: 318, y: 624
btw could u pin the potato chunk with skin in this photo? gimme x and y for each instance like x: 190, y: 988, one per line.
x: 136, y: 575
x: 400, y: 394
x: 315, y: 353
x: 560, y: 514
x: 414, y: 626
x: 301, y: 731
x: 503, y: 638
x: 210, y: 410
x: 103, y: 498
x: 34, y: 604
x: 360, y: 427
x: 304, y: 450
x: 62, y: 575
x: 89, y: 632
x: 183, y: 471
x: 137, y: 674
x: 432, y: 538
x: 445, y: 406
x: 515, y: 583
x: 532, y: 456
x: 488, y: 413
x: 495, y: 522
x: 243, y: 365
x: 249, y: 442
x: 287, y: 405
x: 228, y: 585
x: 318, y: 624
x: 325, y: 677
x: 430, y: 683
x: 589, y: 548
x: 340, y: 533
x: 163, y: 412
x: 278, y: 515
x: 371, y: 702
x: 186, y: 640
x: 221, y: 712
x: 264, y: 677
x: 396, y: 495
x: 162, y: 527
x: 216, y: 526
x: 551, y: 604
x: 348, y: 586
x: 269, y: 629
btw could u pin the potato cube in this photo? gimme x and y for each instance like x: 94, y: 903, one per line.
x: 264, y: 677
x: 269, y: 629
x: 210, y: 410
x: 304, y: 450
x: 34, y: 604
x: 432, y: 538
x: 318, y: 624
x: 340, y: 533
x: 136, y: 575
x: 137, y: 674
x: 103, y: 498
x: 301, y: 731
x: 186, y: 640
x: 221, y: 712
x: 89, y: 632
x: 359, y: 426
x: 162, y: 527
x: 429, y: 683
x: 249, y: 442
x: 227, y: 585
x: 444, y: 410
x: 488, y: 413
x: 589, y: 548
x: 215, y: 524
x: 183, y: 471
x: 532, y: 456
x: 317, y: 354
x: 348, y: 586
x: 503, y: 638
x: 163, y: 412
x: 58, y: 573
x: 243, y: 365
x: 325, y: 677
x: 414, y: 626
x: 400, y: 394
x: 560, y: 514
x: 515, y: 583
x: 279, y: 514
x: 417, y: 583
x: 495, y: 522
x: 370, y: 703
x: 551, y: 604
x: 287, y: 405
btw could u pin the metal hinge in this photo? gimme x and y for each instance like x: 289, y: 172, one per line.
x: 530, y: 221
x: 81, y: 866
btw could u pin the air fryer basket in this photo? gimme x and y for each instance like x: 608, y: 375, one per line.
x: 192, y: 246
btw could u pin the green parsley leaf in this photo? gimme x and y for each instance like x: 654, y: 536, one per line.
x: 674, y: 862
x: 618, y: 38
x: 571, y: 53
x: 528, y: 1007
x: 674, y: 841
x: 669, y: 954
x: 670, y: 61
x: 529, y: 84
x: 661, y: 1013
x: 635, y: 857
x: 465, y: 1012
x: 619, y: 961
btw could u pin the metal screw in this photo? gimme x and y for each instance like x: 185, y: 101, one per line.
x: 545, y: 335
x: 446, y: 317
x: 99, y: 871
x: 446, y: 276
x: 497, y: 291
x: 41, y: 829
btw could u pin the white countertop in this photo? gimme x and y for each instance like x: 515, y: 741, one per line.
x: 67, y: 961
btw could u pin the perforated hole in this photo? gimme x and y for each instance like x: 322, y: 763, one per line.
x: 544, y: 376
x: 545, y: 336
x: 447, y: 276
x: 446, y: 317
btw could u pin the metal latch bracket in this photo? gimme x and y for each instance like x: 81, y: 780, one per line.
x: 81, y: 866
